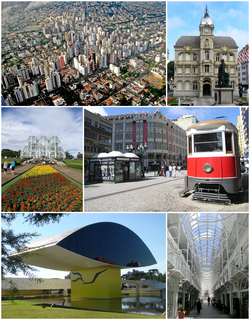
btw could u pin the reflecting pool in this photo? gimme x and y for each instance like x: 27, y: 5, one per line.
x: 142, y: 305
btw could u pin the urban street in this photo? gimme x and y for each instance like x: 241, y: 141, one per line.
x: 155, y: 194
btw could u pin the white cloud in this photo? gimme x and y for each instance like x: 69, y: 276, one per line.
x: 99, y: 110
x: 240, y: 36
x: 175, y: 22
x: 19, y: 123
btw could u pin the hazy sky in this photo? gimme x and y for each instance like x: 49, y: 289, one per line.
x: 150, y: 227
x: 230, y: 18
x: 20, y: 123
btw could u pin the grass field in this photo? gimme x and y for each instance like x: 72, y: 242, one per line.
x: 27, y: 310
x: 74, y: 164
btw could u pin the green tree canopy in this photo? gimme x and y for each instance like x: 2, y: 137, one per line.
x: 16, y: 242
x: 170, y: 68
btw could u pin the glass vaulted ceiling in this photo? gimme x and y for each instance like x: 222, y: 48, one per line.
x: 207, y: 234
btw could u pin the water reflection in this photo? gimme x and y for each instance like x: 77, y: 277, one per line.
x: 142, y: 305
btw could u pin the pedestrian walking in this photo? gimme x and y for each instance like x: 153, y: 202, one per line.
x: 198, y: 304
x: 5, y: 167
x: 13, y: 165
x: 170, y: 169
x: 174, y: 171
x: 208, y: 300
x: 165, y: 171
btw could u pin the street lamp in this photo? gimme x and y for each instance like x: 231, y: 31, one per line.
x: 129, y: 148
x: 142, y: 148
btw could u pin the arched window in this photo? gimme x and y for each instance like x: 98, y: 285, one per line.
x: 179, y: 85
x: 180, y: 56
x: 231, y: 57
x: 224, y: 56
x: 194, y: 57
x: 187, y: 85
x: 217, y: 58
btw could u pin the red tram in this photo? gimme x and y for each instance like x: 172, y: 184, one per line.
x: 213, y: 162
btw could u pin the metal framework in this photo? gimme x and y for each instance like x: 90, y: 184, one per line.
x: 208, y: 239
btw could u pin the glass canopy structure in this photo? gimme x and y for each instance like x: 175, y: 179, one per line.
x: 208, y: 256
x: 43, y: 147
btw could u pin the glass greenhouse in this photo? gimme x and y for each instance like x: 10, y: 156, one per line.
x: 43, y: 147
x: 208, y: 259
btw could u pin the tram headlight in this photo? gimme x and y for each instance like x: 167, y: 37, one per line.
x: 207, y: 167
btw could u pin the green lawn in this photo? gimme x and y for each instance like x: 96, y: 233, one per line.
x: 74, y: 164
x: 173, y: 101
x: 27, y: 310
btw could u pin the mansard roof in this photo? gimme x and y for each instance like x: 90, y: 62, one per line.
x: 194, y: 41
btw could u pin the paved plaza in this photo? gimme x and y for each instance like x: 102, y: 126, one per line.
x: 153, y: 194
x: 207, y: 312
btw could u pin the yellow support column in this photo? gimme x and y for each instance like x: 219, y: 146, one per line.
x: 96, y: 283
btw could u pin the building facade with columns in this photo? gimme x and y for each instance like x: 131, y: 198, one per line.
x: 197, y: 61
x: 166, y: 142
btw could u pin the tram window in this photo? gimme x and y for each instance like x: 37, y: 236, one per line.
x: 229, y: 142
x: 190, y: 145
x: 208, y: 142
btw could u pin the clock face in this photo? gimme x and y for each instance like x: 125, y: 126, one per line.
x: 206, y: 29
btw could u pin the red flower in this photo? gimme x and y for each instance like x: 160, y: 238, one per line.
x: 53, y: 209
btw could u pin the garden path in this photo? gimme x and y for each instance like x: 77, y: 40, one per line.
x: 18, y: 170
x: 73, y: 174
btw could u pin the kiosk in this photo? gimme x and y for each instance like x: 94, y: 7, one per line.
x: 115, y: 167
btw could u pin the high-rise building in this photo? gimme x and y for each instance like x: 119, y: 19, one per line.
x: 49, y: 85
x: 35, y: 89
x: 24, y: 74
x: 19, y: 95
x: 185, y: 121
x: 243, y: 132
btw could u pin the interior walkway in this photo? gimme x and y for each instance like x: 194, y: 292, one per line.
x: 207, y: 312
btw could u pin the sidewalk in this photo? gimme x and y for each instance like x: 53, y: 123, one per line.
x: 207, y: 312
x: 73, y: 174
x: 18, y: 170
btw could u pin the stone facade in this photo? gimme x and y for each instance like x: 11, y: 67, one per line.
x: 197, y: 60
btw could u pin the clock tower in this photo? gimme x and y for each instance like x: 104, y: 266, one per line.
x: 206, y: 55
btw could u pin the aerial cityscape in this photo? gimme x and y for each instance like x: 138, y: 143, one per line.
x: 83, y: 53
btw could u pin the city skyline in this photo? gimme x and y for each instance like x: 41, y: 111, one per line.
x: 84, y: 53
x: 229, y: 18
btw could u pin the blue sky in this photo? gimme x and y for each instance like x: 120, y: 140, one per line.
x: 202, y: 114
x: 230, y: 18
x: 17, y: 124
x: 151, y: 228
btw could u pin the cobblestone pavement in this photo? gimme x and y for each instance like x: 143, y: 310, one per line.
x: 18, y: 170
x: 153, y: 194
x: 203, y: 101
x: 207, y: 312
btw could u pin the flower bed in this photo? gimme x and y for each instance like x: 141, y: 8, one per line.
x: 42, y: 193
x: 39, y: 170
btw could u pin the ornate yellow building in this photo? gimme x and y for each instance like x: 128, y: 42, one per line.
x: 197, y: 60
